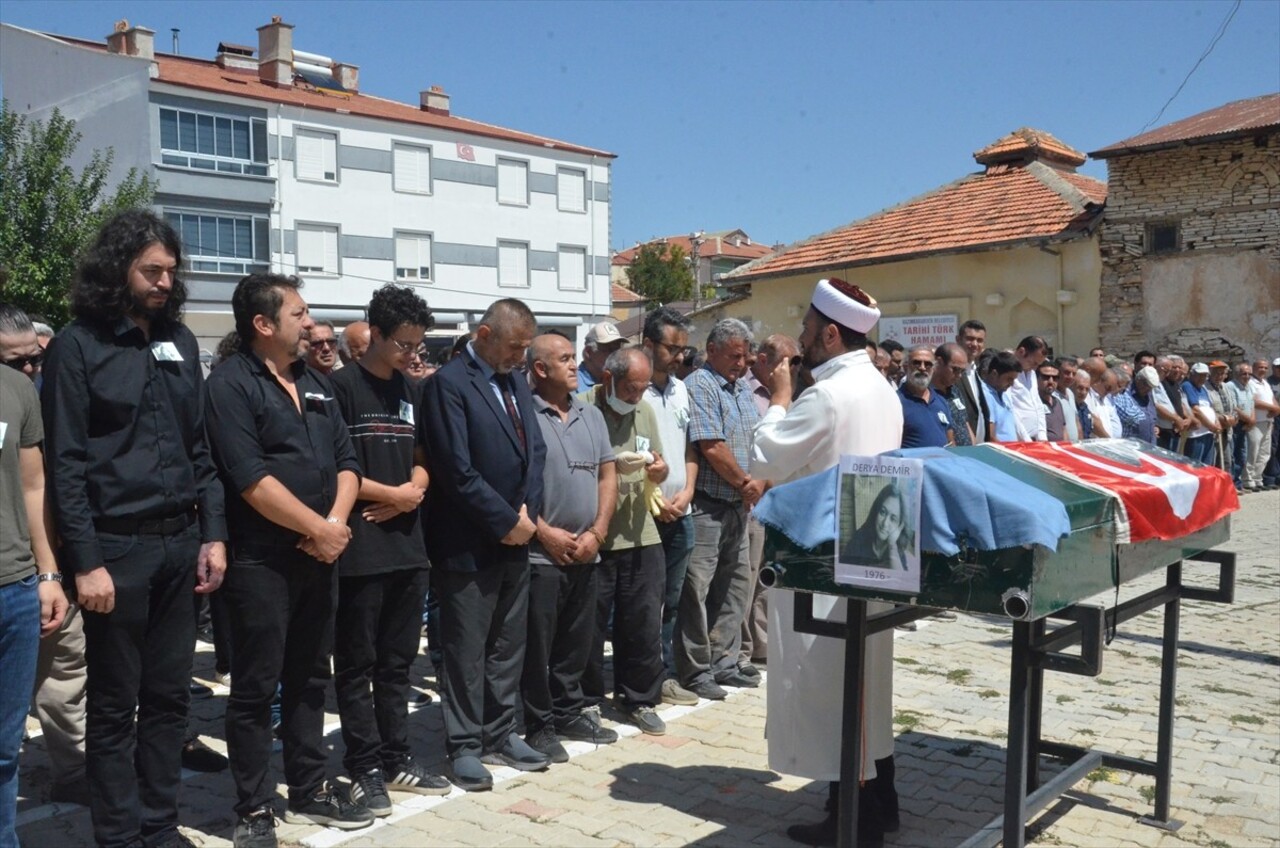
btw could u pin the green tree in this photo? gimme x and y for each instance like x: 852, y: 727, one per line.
x: 661, y: 273
x: 48, y: 212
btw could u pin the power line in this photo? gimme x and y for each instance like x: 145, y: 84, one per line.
x: 1222, y: 29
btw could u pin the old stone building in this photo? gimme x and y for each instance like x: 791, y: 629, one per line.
x: 1190, y: 239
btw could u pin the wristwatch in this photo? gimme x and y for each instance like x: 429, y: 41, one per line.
x: 50, y: 577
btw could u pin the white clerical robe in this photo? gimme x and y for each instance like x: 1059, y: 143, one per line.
x: 851, y: 409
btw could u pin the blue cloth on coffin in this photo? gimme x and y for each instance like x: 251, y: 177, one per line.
x: 964, y: 502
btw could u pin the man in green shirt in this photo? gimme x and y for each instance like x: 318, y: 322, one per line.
x: 632, y: 571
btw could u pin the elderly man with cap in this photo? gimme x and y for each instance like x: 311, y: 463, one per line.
x: 850, y: 409
x: 1200, y: 438
x: 602, y: 340
x: 1136, y: 406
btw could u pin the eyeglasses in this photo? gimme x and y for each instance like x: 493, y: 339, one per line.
x: 23, y: 361
x: 922, y: 364
x: 324, y: 343
x: 673, y: 350
x: 406, y: 347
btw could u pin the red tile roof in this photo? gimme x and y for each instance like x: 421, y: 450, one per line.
x: 1027, y: 144
x: 1004, y: 206
x: 625, y: 296
x: 710, y: 247
x: 206, y: 75
x: 1235, y: 119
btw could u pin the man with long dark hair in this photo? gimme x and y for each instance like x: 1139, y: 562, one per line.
x: 140, y: 515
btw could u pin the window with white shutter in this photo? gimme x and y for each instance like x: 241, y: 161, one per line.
x: 571, y: 190
x: 513, y: 264
x: 317, y: 249
x: 316, y: 156
x: 412, y: 166
x: 513, y: 182
x: 571, y: 267
x: 413, y: 256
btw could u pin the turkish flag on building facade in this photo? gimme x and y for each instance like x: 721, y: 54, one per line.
x: 1164, y: 495
x: 465, y: 152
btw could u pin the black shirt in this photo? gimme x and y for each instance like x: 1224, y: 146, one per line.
x: 124, y: 433
x: 382, y: 418
x: 256, y: 431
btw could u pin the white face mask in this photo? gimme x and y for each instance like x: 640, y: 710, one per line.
x: 619, y: 406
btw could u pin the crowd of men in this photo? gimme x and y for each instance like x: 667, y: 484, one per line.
x: 319, y: 489
x: 964, y: 393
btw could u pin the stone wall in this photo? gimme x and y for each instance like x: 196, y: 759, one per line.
x: 1220, y: 291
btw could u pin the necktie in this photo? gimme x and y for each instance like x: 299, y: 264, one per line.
x: 508, y: 400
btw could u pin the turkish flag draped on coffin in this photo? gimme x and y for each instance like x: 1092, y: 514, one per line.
x: 1165, y: 495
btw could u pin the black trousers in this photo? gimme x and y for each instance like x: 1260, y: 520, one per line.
x: 483, y: 624
x: 630, y: 586
x: 379, y: 623
x: 562, y: 624
x: 281, y: 603
x: 139, y: 666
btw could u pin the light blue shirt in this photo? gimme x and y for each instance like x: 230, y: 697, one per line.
x: 1001, y: 415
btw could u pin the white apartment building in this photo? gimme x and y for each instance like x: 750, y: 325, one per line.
x: 275, y: 159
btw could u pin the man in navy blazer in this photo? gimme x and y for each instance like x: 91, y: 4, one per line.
x: 485, y: 455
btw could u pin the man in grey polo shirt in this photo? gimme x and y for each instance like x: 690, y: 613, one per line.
x: 579, y: 470
x: 716, y: 589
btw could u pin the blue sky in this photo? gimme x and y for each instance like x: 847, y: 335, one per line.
x: 783, y: 118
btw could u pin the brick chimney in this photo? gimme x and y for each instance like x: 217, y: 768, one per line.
x: 347, y: 76
x: 132, y: 41
x: 434, y: 100
x: 275, y: 53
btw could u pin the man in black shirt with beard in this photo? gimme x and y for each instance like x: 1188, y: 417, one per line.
x: 140, y: 515
x: 382, y: 576
x: 281, y: 445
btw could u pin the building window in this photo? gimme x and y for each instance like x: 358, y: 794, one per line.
x: 222, y: 244
x: 413, y: 257
x: 213, y: 142
x: 513, y: 264
x: 316, y: 156
x: 317, y: 249
x: 412, y: 166
x: 571, y: 190
x: 571, y: 267
x: 1162, y: 238
x: 513, y: 182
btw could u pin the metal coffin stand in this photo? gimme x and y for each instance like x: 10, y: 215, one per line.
x: 1036, y: 649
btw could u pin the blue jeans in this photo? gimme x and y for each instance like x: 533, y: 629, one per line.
x: 677, y: 547
x: 1200, y: 448
x: 1239, y: 444
x: 19, y: 641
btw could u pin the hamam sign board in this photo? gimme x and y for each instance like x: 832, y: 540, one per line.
x: 930, y: 330
x: 878, y: 525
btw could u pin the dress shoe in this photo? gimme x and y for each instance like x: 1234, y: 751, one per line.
x: 199, y: 690
x: 823, y: 833
x: 708, y: 689
x: 746, y: 669
x: 585, y: 727
x: 470, y: 775
x: 198, y: 756
x: 738, y: 679
x: 515, y: 753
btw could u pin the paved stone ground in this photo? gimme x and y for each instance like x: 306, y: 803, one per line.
x: 707, y: 783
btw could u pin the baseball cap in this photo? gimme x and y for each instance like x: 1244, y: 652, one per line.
x: 1276, y: 362
x: 603, y: 333
x: 1199, y: 368
x: 1217, y: 363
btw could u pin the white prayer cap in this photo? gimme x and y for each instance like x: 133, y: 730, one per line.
x: 846, y: 304
x: 1148, y: 375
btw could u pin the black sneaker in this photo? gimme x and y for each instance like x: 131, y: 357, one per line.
x: 369, y: 790
x: 546, y: 742
x: 329, y: 809
x: 256, y: 830
x: 412, y: 777
x: 708, y: 689
x: 585, y: 727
